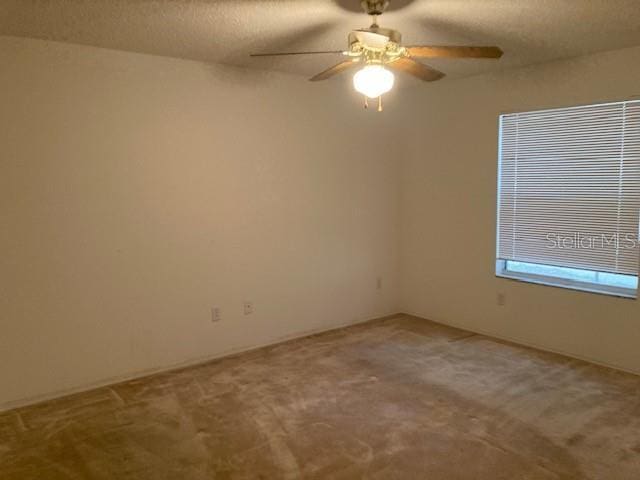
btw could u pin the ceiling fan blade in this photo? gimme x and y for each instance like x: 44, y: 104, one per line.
x: 330, y: 72
x: 279, y: 54
x: 417, y: 69
x: 436, y: 51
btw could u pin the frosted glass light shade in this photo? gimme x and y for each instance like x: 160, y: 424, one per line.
x: 373, y: 81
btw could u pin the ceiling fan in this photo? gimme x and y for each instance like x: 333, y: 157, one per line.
x: 379, y: 50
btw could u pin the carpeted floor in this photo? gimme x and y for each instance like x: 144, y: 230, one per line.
x: 400, y: 398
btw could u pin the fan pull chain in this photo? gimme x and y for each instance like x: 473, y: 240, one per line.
x: 366, y: 103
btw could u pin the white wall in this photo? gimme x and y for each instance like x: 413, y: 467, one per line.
x: 448, y: 205
x: 136, y: 192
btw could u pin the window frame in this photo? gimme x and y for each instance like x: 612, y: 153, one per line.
x: 501, y: 270
x: 551, y: 281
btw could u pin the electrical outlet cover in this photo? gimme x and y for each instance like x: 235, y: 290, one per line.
x: 248, y: 308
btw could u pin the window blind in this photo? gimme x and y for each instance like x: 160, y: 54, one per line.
x: 569, y: 187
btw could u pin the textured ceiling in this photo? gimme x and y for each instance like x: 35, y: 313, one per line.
x: 225, y: 31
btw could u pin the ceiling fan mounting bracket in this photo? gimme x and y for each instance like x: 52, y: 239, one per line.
x: 374, y: 7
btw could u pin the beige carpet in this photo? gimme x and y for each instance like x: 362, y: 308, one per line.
x: 393, y: 399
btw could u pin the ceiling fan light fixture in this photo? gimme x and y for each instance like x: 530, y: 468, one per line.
x: 373, y: 81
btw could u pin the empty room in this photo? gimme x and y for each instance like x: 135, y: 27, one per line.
x: 319, y: 239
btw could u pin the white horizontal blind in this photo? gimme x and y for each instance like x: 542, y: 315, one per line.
x: 569, y: 187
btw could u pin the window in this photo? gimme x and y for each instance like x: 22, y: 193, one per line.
x: 569, y: 197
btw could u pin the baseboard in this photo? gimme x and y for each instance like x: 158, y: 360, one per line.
x: 524, y: 343
x: 105, y: 382
x: 27, y: 401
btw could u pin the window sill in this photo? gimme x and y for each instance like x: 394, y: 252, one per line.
x: 570, y: 284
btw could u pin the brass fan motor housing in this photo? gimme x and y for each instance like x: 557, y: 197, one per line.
x: 390, y: 50
x: 393, y: 35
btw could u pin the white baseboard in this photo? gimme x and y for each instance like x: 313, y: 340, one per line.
x: 105, y: 382
x: 525, y: 343
x: 23, y: 402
